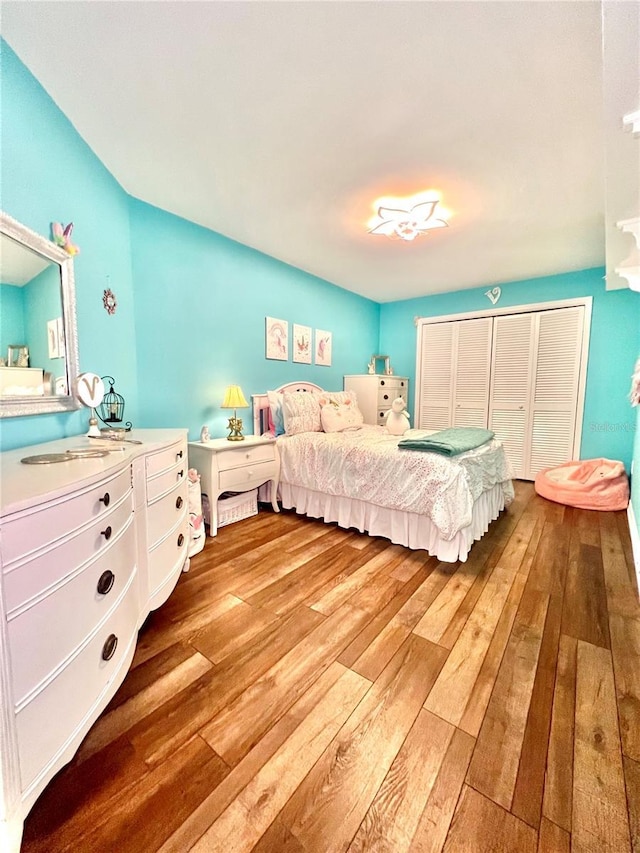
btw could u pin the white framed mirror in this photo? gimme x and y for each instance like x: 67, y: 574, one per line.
x: 38, y: 329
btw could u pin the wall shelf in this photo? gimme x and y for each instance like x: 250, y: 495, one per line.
x: 631, y: 226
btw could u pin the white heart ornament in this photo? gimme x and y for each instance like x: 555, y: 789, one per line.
x: 494, y: 294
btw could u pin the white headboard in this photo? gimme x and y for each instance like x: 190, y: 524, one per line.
x: 261, y: 404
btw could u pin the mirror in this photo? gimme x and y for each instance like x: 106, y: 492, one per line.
x: 38, y: 334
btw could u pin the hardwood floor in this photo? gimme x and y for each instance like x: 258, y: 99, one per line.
x: 307, y: 688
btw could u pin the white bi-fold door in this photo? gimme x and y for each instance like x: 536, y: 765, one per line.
x: 520, y: 375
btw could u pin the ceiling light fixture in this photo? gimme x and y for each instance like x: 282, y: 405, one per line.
x: 407, y: 218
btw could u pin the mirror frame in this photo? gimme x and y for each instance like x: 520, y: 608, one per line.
x: 12, y: 407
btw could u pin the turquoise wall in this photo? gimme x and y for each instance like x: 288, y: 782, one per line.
x: 201, y: 302
x: 609, y: 423
x: 49, y: 174
x: 12, y: 329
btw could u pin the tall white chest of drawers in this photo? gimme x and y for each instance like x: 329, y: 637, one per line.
x: 376, y: 393
x: 88, y: 547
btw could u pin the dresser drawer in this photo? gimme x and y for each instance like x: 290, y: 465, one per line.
x: 168, y: 555
x: 391, y: 383
x: 31, y: 530
x: 42, y: 637
x: 48, y: 721
x: 163, y: 513
x: 167, y: 458
x: 247, y: 456
x: 167, y: 481
x: 48, y: 568
x: 247, y: 477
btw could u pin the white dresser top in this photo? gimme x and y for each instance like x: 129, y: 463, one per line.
x: 23, y: 485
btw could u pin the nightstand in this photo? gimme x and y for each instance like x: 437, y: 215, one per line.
x: 235, y: 466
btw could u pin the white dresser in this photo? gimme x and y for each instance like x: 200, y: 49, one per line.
x: 88, y: 547
x: 376, y: 393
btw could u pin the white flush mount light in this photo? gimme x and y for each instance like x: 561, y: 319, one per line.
x: 407, y: 218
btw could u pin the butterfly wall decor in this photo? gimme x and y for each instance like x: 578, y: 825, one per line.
x: 62, y: 237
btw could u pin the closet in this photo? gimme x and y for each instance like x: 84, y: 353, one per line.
x: 520, y: 374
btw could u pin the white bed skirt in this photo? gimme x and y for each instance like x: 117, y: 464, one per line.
x: 403, y: 528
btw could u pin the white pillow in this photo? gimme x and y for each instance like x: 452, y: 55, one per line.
x: 336, y: 417
x: 326, y: 397
x: 301, y: 413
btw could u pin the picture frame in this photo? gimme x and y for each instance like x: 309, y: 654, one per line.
x: 53, y: 339
x: 276, y: 339
x: 302, y: 344
x: 17, y: 355
x: 323, y: 346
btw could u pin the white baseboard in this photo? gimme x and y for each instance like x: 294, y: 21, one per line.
x: 635, y: 540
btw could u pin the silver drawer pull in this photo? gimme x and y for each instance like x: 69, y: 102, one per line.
x: 106, y: 499
x: 106, y: 581
x: 107, y: 533
x: 109, y: 648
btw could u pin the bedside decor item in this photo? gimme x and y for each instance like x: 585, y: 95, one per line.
x: 204, y: 434
x: 111, y: 409
x: 234, y: 399
x: 62, y: 238
x: 301, y: 344
x: 90, y: 391
x: 323, y: 347
x: 277, y: 339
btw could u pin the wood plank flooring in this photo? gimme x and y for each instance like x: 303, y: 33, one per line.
x: 307, y: 688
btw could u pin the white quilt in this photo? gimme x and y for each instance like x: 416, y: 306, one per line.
x: 366, y: 464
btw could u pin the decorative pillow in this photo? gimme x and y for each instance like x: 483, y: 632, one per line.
x: 276, y: 419
x: 336, y: 417
x: 301, y: 413
x: 326, y: 397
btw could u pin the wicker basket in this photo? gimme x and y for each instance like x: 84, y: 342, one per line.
x: 234, y: 506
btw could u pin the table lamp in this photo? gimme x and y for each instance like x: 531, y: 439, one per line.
x: 234, y: 399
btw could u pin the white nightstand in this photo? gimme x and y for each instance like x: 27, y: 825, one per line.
x: 235, y: 466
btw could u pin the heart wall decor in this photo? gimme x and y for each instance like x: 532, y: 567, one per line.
x: 494, y: 294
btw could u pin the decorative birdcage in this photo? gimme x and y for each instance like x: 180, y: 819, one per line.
x: 111, y: 409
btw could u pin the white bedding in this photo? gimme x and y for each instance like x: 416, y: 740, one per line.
x: 366, y: 465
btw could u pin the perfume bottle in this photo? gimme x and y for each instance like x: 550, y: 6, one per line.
x: 204, y: 434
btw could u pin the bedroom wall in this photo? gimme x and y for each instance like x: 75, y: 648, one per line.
x: 201, y: 302
x: 49, y: 174
x: 609, y: 423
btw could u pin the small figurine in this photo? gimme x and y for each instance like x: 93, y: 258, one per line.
x: 371, y: 367
x: 204, y: 434
x: 397, y: 417
x: 62, y: 238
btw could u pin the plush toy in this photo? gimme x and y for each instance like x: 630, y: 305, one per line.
x: 397, y: 417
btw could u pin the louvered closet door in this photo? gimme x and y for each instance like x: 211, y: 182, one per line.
x: 436, y: 375
x: 511, y: 371
x: 472, y: 351
x: 555, y: 387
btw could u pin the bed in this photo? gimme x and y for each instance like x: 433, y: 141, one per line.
x: 359, y: 478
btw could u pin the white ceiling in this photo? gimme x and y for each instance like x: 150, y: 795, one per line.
x: 278, y: 123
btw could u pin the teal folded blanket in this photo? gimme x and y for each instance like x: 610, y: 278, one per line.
x: 449, y: 442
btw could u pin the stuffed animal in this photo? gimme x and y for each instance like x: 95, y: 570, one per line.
x: 397, y: 417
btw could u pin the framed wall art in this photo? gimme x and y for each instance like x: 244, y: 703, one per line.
x: 323, y: 347
x: 301, y: 344
x: 277, y: 339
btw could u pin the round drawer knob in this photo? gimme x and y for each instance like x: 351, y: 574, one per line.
x: 180, y: 540
x: 386, y: 396
x: 109, y: 648
x: 105, y: 582
x: 179, y: 502
x: 382, y: 381
x: 106, y: 499
x: 107, y: 533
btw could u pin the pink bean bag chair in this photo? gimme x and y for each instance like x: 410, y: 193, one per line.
x: 589, y: 484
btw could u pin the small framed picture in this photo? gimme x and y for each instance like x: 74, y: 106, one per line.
x: 53, y: 339
x: 301, y: 344
x: 323, y: 347
x: 277, y: 339
x: 17, y: 355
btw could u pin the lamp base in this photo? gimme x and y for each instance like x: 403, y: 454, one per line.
x: 235, y: 429
x: 94, y: 431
